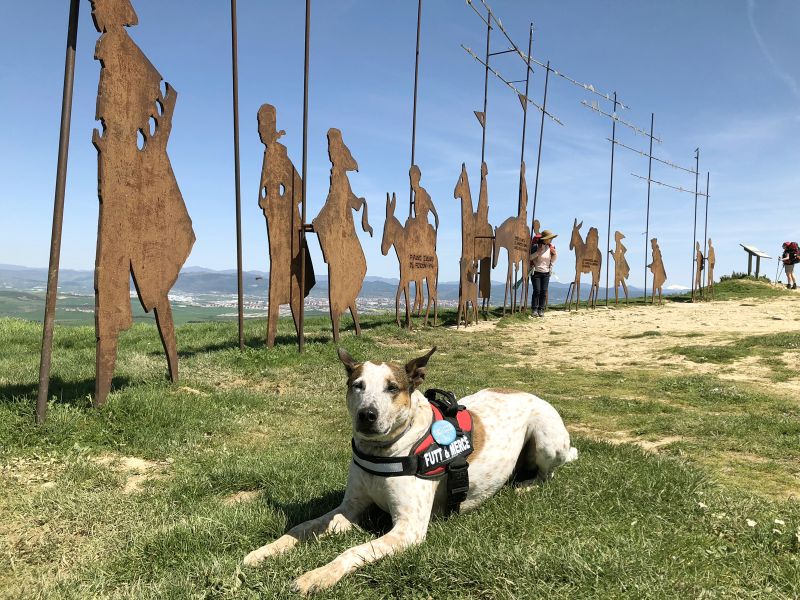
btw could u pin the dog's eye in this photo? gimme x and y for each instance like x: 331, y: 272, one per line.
x: 392, y: 388
x: 358, y: 385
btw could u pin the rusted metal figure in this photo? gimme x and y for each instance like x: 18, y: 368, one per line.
x: 514, y: 235
x: 144, y: 230
x: 587, y: 260
x: 415, y: 246
x: 621, y: 268
x: 280, y: 196
x: 336, y: 230
x: 659, y: 273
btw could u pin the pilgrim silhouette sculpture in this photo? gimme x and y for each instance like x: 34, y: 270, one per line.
x: 144, y: 228
x: 280, y: 196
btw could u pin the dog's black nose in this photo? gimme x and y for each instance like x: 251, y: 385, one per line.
x: 367, y: 416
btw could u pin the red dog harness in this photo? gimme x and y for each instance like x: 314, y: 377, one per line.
x: 430, y: 459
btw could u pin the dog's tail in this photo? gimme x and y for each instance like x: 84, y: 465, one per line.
x: 572, y: 454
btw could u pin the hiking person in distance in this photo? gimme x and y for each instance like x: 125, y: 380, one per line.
x: 791, y: 256
x: 543, y: 255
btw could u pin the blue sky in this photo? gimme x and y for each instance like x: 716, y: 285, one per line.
x: 718, y: 74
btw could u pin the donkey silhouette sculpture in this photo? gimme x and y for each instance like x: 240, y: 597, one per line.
x: 587, y: 260
x: 414, y: 245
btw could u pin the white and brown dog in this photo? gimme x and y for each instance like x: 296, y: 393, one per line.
x: 511, y: 432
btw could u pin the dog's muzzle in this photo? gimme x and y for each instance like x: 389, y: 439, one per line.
x: 367, y: 420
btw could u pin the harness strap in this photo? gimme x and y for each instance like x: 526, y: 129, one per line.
x: 383, y: 466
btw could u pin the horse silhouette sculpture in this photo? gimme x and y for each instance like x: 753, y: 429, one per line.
x: 468, y: 293
x: 587, y: 260
x: 414, y: 245
x: 472, y: 225
x: 514, y: 235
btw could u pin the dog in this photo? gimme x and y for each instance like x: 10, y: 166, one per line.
x: 511, y: 432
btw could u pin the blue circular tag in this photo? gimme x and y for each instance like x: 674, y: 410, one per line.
x: 443, y: 432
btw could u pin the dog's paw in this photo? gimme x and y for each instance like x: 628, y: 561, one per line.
x: 315, y: 581
x: 279, y: 546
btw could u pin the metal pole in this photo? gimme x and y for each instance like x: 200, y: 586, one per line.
x: 486, y: 85
x: 610, y: 192
x: 58, y: 214
x: 522, y: 290
x: 525, y: 115
x: 647, y: 221
x: 539, y: 156
x: 705, y: 228
x: 301, y: 342
x: 694, y: 233
x: 414, y: 118
x: 235, y: 65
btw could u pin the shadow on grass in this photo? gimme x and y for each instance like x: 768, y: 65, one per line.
x: 60, y: 392
x: 373, y: 520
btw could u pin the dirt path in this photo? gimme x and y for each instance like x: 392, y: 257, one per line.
x: 641, y: 336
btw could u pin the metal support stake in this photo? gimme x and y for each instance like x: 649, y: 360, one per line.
x: 58, y: 214
x: 301, y: 342
x: 235, y: 67
x: 694, y: 232
x: 647, y: 220
x: 486, y: 86
x: 523, y: 285
x: 611, y: 192
x: 414, y: 117
x: 705, y: 228
x: 539, y: 155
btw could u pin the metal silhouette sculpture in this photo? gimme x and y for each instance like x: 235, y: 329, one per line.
x: 621, y: 268
x: 484, y: 240
x: 144, y: 228
x: 336, y: 231
x: 711, y: 258
x: 468, y: 293
x: 415, y: 246
x: 588, y: 259
x: 423, y: 204
x: 514, y: 235
x: 280, y: 196
x: 462, y: 192
x: 701, y: 263
x: 659, y: 273
x: 476, y: 234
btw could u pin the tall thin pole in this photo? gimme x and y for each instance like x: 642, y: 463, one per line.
x: 611, y: 192
x: 539, y: 156
x: 694, y: 231
x: 486, y: 85
x: 705, y: 228
x: 58, y: 214
x: 522, y: 156
x: 301, y: 341
x: 235, y: 66
x: 414, y: 117
x: 647, y: 220
x: 525, y: 115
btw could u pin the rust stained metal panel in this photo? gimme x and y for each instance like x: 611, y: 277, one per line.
x: 621, y: 268
x: 144, y: 228
x: 336, y: 230
x: 514, y: 235
x: 280, y: 197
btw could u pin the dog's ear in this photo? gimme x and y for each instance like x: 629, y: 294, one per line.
x: 415, y: 369
x: 347, y: 360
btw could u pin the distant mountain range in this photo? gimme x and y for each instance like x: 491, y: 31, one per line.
x: 195, y: 281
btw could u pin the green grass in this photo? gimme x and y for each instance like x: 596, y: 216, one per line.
x: 619, y: 522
